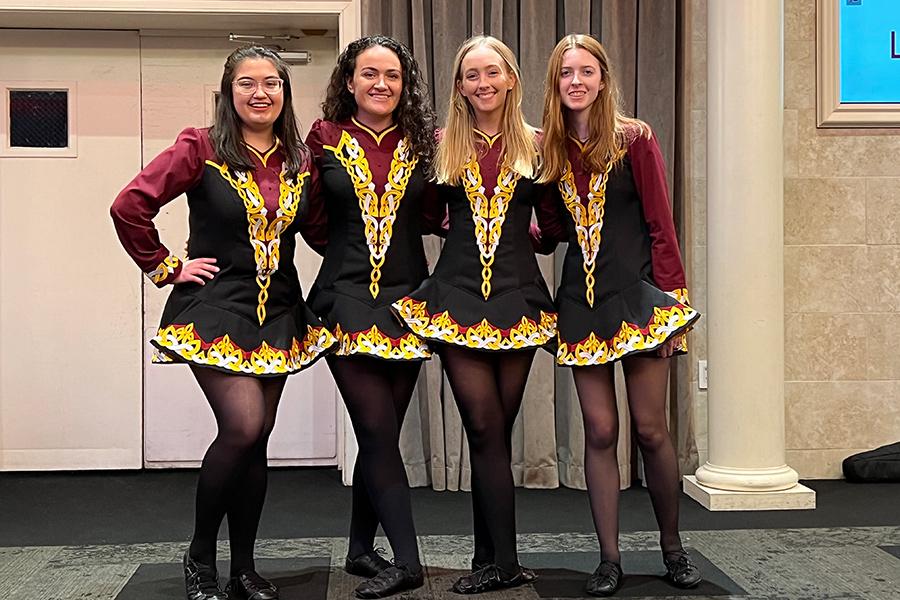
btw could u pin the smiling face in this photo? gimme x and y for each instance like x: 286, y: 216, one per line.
x: 580, y: 79
x: 484, y: 81
x: 377, y: 83
x: 260, y: 109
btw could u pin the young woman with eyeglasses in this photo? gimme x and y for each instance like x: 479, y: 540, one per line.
x: 622, y: 296
x: 235, y: 314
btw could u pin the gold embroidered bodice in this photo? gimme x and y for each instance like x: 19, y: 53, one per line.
x: 378, y: 212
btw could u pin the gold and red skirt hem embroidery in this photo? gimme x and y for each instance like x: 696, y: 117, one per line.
x: 630, y: 338
x: 527, y: 333
x: 375, y: 343
x: 181, y: 343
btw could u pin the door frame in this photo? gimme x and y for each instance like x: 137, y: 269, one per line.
x: 121, y: 14
x: 127, y: 14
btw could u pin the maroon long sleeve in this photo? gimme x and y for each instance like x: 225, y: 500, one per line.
x: 314, y: 226
x: 650, y: 180
x: 176, y: 170
x: 549, y: 231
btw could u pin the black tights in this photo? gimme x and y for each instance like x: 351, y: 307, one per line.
x: 233, y: 475
x: 377, y: 394
x: 488, y: 387
x: 646, y: 378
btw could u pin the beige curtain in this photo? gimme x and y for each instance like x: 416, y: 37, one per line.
x: 642, y: 39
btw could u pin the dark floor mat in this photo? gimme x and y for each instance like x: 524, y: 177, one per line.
x: 297, y: 579
x: 62, y: 509
x: 894, y: 550
x: 563, y: 575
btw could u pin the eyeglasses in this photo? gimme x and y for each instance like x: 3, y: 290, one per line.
x: 248, y: 87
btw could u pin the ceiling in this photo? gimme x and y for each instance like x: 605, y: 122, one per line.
x: 269, y: 23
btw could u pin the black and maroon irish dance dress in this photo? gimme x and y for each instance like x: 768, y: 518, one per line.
x: 250, y: 318
x: 622, y: 289
x: 367, y: 215
x: 486, y: 291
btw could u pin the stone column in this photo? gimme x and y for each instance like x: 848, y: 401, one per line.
x: 746, y: 467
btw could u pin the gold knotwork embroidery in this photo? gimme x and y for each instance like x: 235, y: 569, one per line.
x: 265, y: 237
x: 372, y: 341
x: 378, y: 213
x: 628, y: 339
x: 588, y: 219
x: 184, y: 342
x: 488, y: 215
x: 482, y: 335
x: 680, y: 294
x: 164, y: 269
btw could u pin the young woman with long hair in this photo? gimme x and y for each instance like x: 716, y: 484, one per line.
x: 486, y: 306
x: 235, y: 313
x: 622, y: 295
x: 373, y: 149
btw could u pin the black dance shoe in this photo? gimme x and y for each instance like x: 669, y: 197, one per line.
x: 393, y: 580
x: 201, y: 582
x: 249, y: 585
x: 492, y: 577
x: 527, y: 574
x: 477, y: 566
x: 680, y: 569
x: 368, y: 564
x: 605, y: 580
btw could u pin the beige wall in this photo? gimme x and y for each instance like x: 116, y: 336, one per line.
x: 842, y: 263
x: 694, y: 211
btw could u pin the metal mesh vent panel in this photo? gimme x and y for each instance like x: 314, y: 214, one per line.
x: 38, y: 119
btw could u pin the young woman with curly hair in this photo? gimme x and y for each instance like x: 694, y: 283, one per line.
x: 235, y: 313
x: 622, y: 295
x: 486, y: 306
x: 373, y: 150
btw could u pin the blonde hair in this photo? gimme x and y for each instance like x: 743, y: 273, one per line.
x: 609, y: 132
x: 518, y: 150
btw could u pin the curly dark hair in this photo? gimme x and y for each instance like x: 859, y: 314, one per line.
x: 225, y: 133
x: 414, y: 114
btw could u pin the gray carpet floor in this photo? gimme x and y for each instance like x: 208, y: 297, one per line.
x: 120, y: 536
x: 753, y: 564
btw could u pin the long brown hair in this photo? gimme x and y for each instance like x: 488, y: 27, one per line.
x: 609, y: 129
x: 518, y: 150
x: 225, y: 134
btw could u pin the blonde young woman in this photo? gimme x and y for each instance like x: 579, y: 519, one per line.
x: 486, y: 308
x: 622, y: 295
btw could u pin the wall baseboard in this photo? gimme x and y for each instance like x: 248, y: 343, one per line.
x: 70, y: 459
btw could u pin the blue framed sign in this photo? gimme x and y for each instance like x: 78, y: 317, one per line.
x: 870, y: 51
x: 858, y: 63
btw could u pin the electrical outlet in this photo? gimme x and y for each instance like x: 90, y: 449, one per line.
x: 701, y: 375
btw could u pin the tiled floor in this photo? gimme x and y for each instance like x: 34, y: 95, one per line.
x: 833, y: 564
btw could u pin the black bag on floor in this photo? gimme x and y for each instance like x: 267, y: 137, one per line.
x: 878, y: 465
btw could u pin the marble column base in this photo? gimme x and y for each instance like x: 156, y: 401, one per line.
x: 738, y: 479
x: 798, y: 497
